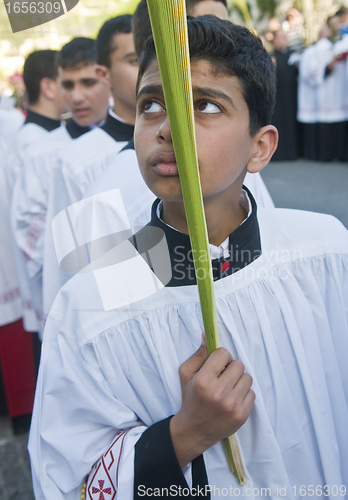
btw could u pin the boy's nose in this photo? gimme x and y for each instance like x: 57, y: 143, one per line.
x: 77, y: 96
x: 163, y: 133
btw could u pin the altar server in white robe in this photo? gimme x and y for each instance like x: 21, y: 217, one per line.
x: 46, y: 106
x: 10, y: 302
x: 16, y: 345
x: 122, y: 174
x: 16, y: 349
x: 89, y: 156
x: 86, y: 97
x: 323, y: 97
x: 307, y: 106
x: 110, y: 401
x: 332, y: 101
x: 61, y: 260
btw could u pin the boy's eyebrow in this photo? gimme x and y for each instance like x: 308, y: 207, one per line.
x: 150, y: 89
x: 213, y: 93
x: 197, y: 91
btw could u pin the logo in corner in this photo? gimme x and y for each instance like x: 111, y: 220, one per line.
x: 25, y: 14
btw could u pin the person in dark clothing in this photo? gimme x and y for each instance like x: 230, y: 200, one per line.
x: 284, y: 116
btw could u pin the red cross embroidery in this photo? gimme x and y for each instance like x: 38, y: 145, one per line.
x: 101, y: 490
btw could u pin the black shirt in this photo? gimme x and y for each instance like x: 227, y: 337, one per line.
x: 75, y: 130
x: 119, y: 131
x: 244, y: 248
x: 43, y: 121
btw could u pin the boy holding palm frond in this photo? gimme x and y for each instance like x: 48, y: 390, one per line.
x: 111, y: 379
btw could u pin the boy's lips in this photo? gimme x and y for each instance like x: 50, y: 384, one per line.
x: 81, y: 112
x: 165, y: 164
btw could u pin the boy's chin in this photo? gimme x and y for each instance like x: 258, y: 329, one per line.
x: 168, y: 191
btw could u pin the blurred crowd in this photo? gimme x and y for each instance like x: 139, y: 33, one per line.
x: 311, y: 110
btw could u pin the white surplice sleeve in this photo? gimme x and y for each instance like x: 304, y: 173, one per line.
x: 80, y: 427
x: 76, y: 419
x: 66, y: 190
x: 25, y: 136
x: 10, y: 300
x: 30, y: 197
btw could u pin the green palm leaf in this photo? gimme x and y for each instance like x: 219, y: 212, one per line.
x: 169, y: 26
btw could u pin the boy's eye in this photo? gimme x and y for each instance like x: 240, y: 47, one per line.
x: 152, y: 107
x: 134, y: 61
x: 67, y: 85
x: 89, y: 82
x: 208, y: 107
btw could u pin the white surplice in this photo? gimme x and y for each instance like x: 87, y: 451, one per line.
x: 10, y: 300
x: 123, y: 173
x: 29, y: 207
x: 323, y: 97
x: 10, y: 119
x: 25, y: 136
x: 285, y: 316
x: 93, y: 154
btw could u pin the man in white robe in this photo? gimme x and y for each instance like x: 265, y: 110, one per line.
x: 86, y: 97
x: 323, y: 97
x: 45, y: 108
x: 16, y: 346
x: 10, y: 299
x: 122, y: 173
x: 110, y: 402
x: 84, y: 161
x: 10, y: 308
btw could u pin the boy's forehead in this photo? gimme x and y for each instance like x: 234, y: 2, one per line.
x: 122, y: 43
x: 201, y: 69
x: 152, y: 73
x: 80, y: 71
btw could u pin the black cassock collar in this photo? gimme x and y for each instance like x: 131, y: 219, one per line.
x: 244, y: 247
x: 48, y: 124
x: 75, y: 130
x: 119, y: 131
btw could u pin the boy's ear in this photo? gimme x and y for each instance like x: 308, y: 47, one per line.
x: 265, y: 144
x: 102, y: 73
x: 48, y: 88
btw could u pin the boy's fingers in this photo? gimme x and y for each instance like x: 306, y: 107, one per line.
x: 249, y: 400
x: 220, y: 360
x: 235, y: 374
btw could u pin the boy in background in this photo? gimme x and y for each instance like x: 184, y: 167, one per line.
x: 16, y: 346
x: 87, y: 99
x: 85, y: 160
